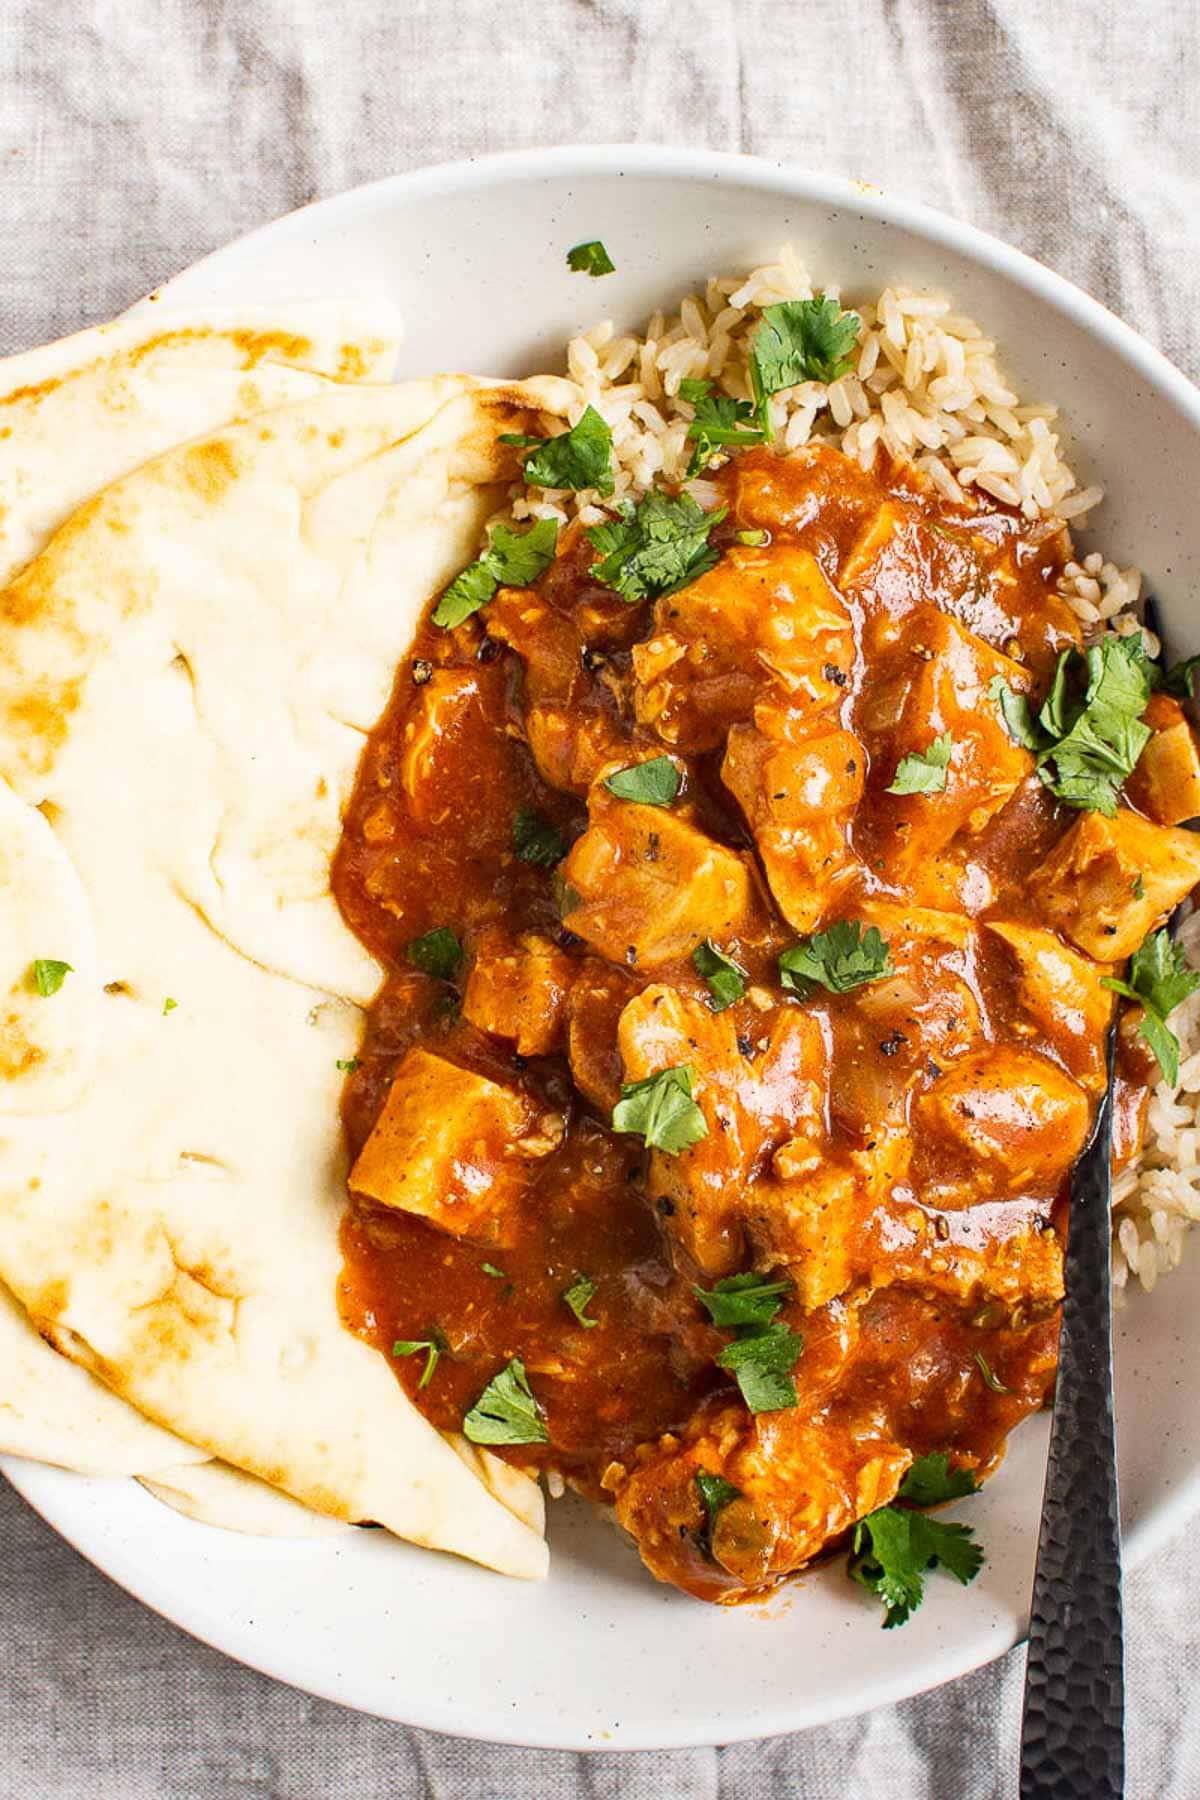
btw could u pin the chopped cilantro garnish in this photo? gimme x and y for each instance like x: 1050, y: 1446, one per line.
x: 1137, y: 888
x: 495, y: 1273
x: 48, y: 975
x: 893, y: 1547
x: 743, y: 1300
x: 661, y: 1111
x: 844, y: 957
x: 990, y: 1378
x: 512, y: 559
x: 169, y: 1006
x: 578, y: 1297
x: 433, y: 1345
x: 506, y: 1411
x: 721, y: 423
x: 349, y: 1065
x: 754, y: 539
x: 1089, y: 733
x: 924, y: 771
x: 715, y: 1494
x: 520, y: 440
x: 931, y: 1480
x: 536, y: 841
x: 726, y: 981
x: 652, y: 783
x: 800, y: 340
x: 438, y: 952
x: 579, y: 458
x: 1159, y: 981
x: 590, y: 259
x: 762, y: 1361
x: 655, y: 547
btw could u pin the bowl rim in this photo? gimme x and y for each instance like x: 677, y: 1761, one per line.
x: 797, y: 182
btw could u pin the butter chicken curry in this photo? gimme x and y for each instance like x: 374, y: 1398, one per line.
x: 746, y: 886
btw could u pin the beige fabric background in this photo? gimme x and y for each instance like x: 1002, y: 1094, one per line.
x: 135, y: 135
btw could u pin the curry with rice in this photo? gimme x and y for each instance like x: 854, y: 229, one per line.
x: 752, y: 885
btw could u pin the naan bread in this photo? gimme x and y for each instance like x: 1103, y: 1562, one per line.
x: 52, y: 1410
x: 214, y: 1494
x: 75, y: 416
x: 78, y: 414
x: 186, y: 677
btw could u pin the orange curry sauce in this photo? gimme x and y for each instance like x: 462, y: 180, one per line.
x: 899, y: 1152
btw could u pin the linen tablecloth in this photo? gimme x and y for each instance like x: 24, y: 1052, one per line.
x: 136, y: 135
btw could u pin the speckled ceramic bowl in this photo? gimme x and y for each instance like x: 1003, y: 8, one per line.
x: 600, y: 1656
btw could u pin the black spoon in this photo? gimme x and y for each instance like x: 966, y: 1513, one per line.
x: 1073, y: 1727
x: 1073, y: 1724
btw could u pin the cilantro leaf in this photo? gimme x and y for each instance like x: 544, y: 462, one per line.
x: 579, y: 458
x: 520, y: 440
x: 512, y: 559
x: 743, y: 1300
x: 506, y: 1411
x: 433, y: 1345
x: 661, y: 1110
x: 721, y: 423
x: 762, y: 1364
x: 655, y: 547
x: 1016, y: 713
x: 931, y: 1480
x: 438, y: 952
x: 1100, y: 739
x: 845, y: 956
x: 348, y: 1065
x: 489, y: 1268
x: 924, y: 771
x: 578, y: 1297
x: 726, y: 981
x: 465, y: 595
x: 1159, y: 981
x: 652, y: 783
x: 893, y: 1548
x: 715, y: 1494
x: 590, y: 259
x: 536, y: 841
x: 48, y: 975
x: 800, y: 340
x: 1089, y: 733
x: 169, y: 1006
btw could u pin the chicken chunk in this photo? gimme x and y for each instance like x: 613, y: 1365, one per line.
x: 750, y: 1108
x: 1013, y: 1117
x: 910, y: 1023
x: 883, y: 1377
x: 851, y: 1221
x: 1166, y: 783
x: 759, y: 616
x: 595, y: 1003
x: 1061, y: 992
x: 798, y: 799
x: 450, y: 1146
x: 1110, y: 881
x: 940, y: 686
x: 518, y: 989
x: 799, y: 1485
x: 570, y: 734
x: 651, y: 885
x: 901, y: 560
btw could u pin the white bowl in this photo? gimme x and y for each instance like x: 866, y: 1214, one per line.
x: 600, y: 1656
